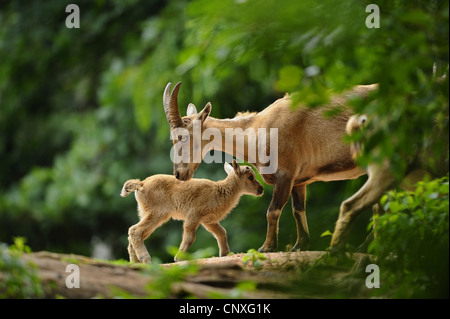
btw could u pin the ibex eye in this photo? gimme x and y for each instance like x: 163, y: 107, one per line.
x: 251, y: 177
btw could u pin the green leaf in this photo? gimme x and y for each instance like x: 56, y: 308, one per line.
x: 289, y: 78
x: 326, y: 233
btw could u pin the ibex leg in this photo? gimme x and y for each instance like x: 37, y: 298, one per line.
x: 281, y: 192
x: 221, y: 235
x: 189, y: 229
x: 377, y: 211
x: 139, y: 232
x: 132, y: 252
x: 299, y: 212
x: 367, y: 196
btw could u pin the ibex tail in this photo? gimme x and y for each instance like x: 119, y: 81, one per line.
x: 130, y: 186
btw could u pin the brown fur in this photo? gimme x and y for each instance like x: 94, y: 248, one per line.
x: 310, y: 148
x: 197, y: 201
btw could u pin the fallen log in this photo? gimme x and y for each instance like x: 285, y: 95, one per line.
x: 216, y: 277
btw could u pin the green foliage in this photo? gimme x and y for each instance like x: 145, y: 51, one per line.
x: 199, y: 254
x: 160, y: 286
x: 411, y: 106
x: 64, y: 156
x: 326, y: 233
x: 255, y: 257
x: 19, y: 246
x: 161, y: 280
x: 18, y: 279
x: 412, y: 240
x: 332, y: 279
x: 342, y: 52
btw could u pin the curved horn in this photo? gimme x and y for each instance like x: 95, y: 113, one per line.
x: 166, y: 101
x: 166, y: 97
x: 171, y: 105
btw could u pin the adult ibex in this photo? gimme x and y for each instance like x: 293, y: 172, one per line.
x: 310, y: 149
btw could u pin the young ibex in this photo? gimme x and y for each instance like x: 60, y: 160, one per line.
x: 197, y: 201
x: 310, y: 149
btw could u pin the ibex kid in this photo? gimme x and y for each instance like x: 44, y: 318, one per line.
x: 197, y: 201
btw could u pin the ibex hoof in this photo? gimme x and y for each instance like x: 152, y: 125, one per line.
x: 301, y: 247
x: 264, y: 249
x: 178, y: 257
x: 339, y: 254
x: 224, y: 253
x: 146, y: 259
x: 334, y: 251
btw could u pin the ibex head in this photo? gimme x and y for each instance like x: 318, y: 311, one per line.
x: 181, y: 131
x: 246, y: 176
x: 355, y: 123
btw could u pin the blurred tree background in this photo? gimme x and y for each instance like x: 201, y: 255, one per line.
x: 81, y: 109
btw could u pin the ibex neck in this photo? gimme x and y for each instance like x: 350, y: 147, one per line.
x: 234, y: 135
x: 229, y: 189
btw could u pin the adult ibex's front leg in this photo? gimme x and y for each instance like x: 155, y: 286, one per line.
x: 379, y: 180
x: 281, y: 192
x: 298, y: 210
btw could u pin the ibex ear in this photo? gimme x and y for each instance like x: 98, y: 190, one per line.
x: 191, y: 110
x: 236, y: 167
x: 205, y: 112
x: 228, y: 168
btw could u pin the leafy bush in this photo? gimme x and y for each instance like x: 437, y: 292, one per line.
x: 255, y: 257
x: 412, y: 240
x: 17, y: 278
